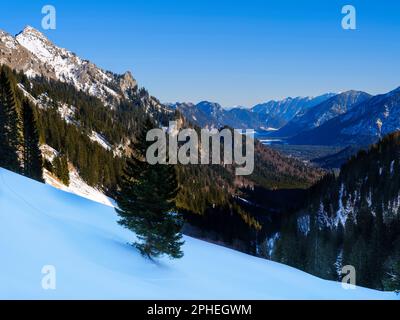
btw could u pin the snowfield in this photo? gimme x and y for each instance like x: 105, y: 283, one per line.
x: 41, y: 226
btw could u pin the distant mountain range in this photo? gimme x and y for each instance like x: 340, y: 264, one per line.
x: 323, y: 112
x: 345, y: 119
x: 277, y: 114
x: 363, y: 124
x: 267, y: 116
x: 211, y: 115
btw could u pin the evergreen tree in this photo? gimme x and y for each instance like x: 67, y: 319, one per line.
x: 146, y: 203
x: 33, y: 162
x: 61, y: 170
x: 391, y: 279
x: 9, y: 123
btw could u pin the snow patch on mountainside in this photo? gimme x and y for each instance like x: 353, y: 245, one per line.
x: 67, y: 113
x: 89, y: 250
x: 77, y: 185
x: 48, y: 152
x: 96, y: 137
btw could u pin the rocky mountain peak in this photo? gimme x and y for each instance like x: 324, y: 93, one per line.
x: 127, y: 82
x: 31, y: 52
x: 30, y: 31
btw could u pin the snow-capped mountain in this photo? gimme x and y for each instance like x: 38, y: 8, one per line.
x: 362, y: 125
x: 18, y: 57
x: 323, y: 112
x: 33, y: 53
x: 211, y: 115
x: 275, y: 114
x: 272, y: 114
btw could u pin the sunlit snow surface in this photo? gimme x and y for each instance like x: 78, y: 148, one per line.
x: 40, y: 225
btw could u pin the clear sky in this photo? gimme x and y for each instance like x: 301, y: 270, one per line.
x: 236, y: 52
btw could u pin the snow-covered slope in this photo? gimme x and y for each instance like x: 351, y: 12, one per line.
x: 42, y: 226
x: 76, y: 184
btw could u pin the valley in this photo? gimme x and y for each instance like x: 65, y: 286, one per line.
x: 324, y: 191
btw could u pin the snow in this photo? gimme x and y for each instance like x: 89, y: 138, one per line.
x: 42, y: 226
x: 339, y: 264
x: 244, y: 200
x: 386, y: 113
x: 67, y: 113
x: 392, y: 167
x: 66, y: 65
x: 303, y: 224
x: 30, y: 73
x: 43, y: 101
x: 78, y: 187
x: 379, y: 123
x: 48, y: 152
x: 268, y: 142
x: 28, y: 95
x: 96, y: 137
x: 8, y: 40
x: 343, y: 211
x: 271, y: 244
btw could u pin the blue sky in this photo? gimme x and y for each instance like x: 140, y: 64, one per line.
x: 236, y: 52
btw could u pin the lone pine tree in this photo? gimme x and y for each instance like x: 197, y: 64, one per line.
x: 9, y: 123
x: 33, y: 162
x: 146, y: 203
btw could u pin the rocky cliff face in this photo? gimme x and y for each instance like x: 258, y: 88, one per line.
x: 18, y: 57
x: 34, y: 54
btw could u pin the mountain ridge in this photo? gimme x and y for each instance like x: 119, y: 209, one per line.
x: 366, y: 124
x: 316, y: 116
x: 264, y: 117
x: 41, y: 57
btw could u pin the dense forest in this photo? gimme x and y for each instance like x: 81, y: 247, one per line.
x: 351, y: 219
x: 19, y: 139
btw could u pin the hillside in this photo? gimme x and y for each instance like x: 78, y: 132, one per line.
x: 351, y: 219
x: 93, y: 260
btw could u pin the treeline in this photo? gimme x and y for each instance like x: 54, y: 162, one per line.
x: 351, y: 219
x: 19, y: 139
